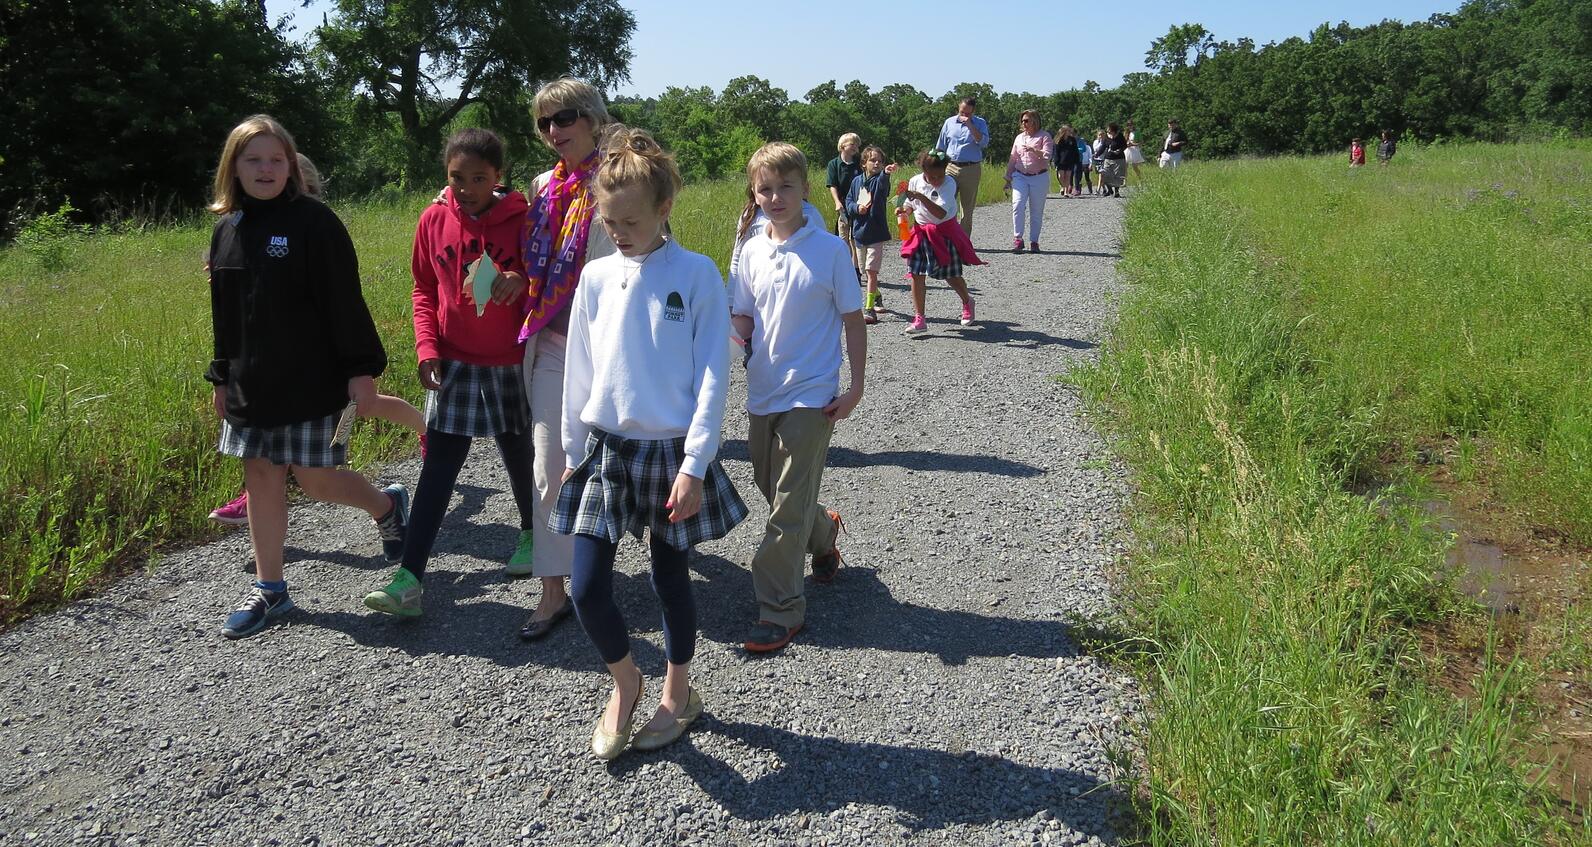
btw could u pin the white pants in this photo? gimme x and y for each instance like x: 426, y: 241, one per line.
x: 544, y: 385
x: 1028, y: 194
x: 1171, y: 160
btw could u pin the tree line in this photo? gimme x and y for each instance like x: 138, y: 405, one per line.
x: 121, y: 106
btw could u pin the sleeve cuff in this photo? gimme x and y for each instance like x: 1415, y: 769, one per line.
x: 694, y: 466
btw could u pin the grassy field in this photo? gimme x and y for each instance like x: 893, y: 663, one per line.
x: 1296, y: 334
x: 106, y: 430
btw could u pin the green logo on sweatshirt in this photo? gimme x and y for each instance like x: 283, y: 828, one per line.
x: 674, y: 308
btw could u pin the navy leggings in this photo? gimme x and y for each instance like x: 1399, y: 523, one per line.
x: 592, y: 587
x: 445, y: 455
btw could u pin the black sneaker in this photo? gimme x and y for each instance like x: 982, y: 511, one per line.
x: 255, y: 612
x: 395, y: 526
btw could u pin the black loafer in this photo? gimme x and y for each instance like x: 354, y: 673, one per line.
x: 535, y: 629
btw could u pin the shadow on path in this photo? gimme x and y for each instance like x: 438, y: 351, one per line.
x: 735, y: 449
x: 858, y: 611
x: 1001, y: 332
x: 929, y: 789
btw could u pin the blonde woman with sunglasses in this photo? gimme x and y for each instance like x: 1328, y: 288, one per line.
x: 560, y: 239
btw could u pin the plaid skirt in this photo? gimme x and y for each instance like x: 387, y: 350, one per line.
x: 478, y: 400
x: 622, y: 485
x: 924, y: 261
x: 307, y: 444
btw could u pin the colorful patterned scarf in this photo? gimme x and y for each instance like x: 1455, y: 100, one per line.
x: 557, y: 228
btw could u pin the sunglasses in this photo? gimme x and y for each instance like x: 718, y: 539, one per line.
x: 565, y: 118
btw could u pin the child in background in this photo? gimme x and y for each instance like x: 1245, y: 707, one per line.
x: 645, y: 381
x: 1085, y: 172
x: 870, y: 229
x: 838, y: 176
x: 294, y: 343
x: 469, y: 358
x: 938, y: 247
x: 385, y: 406
x: 1356, y: 153
x: 791, y: 301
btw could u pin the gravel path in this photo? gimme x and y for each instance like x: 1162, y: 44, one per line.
x: 936, y: 696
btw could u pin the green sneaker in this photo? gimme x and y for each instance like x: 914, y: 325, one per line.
x: 520, y: 563
x: 401, y: 597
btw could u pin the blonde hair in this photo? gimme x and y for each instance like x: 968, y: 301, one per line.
x: 775, y: 156
x: 226, y: 192
x: 313, y: 184
x: 632, y: 156
x: 848, y: 138
x: 1030, y: 113
x: 571, y: 93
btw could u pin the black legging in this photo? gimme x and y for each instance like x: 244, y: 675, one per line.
x: 591, y: 585
x: 445, y: 455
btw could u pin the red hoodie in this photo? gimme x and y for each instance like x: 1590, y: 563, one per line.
x: 446, y: 241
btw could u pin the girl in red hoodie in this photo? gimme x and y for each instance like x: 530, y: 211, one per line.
x: 468, y: 350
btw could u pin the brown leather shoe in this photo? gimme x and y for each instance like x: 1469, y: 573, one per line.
x: 826, y: 565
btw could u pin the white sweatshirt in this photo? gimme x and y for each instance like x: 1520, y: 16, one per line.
x: 648, y: 353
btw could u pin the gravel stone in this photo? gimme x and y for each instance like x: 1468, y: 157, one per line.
x: 936, y: 697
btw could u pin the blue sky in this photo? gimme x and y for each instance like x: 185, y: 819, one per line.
x: 1058, y: 46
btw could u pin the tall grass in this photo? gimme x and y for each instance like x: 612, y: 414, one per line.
x: 1289, y: 320
x: 105, y: 426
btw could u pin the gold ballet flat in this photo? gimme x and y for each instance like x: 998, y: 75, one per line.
x: 608, y: 745
x: 648, y: 739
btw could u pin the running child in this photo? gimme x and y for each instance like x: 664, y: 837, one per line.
x: 792, y: 299
x: 235, y: 512
x: 870, y: 229
x: 294, y: 343
x: 468, y: 351
x: 938, y: 247
x: 645, y: 381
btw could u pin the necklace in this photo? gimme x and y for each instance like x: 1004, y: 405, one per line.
x: 631, y: 277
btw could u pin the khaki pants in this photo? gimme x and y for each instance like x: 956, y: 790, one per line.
x: 843, y: 229
x: 554, y: 554
x: 966, y: 177
x: 788, y: 452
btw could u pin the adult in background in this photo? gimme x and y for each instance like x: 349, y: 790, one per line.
x: 1068, y: 160
x: 1112, y: 155
x: 1172, y: 145
x: 963, y: 138
x: 560, y: 239
x: 1386, y: 147
x: 1028, y: 179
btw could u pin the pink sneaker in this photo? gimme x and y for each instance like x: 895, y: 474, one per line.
x: 967, y: 313
x: 235, y: 513
x: 1017, y: 244
x: 918, y: 325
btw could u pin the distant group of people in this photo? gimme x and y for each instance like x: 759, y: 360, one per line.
x: 1384, y: 150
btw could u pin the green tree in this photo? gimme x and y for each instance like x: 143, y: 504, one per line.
x: 424, y: 61
x: 124, y: 106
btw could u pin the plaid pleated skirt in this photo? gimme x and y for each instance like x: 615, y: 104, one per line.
x: 478, y: 400
x: 924, y: 261
x: 307, y: 444
x: 622, y: 485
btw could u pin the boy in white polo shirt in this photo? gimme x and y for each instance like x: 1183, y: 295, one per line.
x: 793, y: 293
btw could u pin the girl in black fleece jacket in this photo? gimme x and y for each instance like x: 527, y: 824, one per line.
x: 294, y: 344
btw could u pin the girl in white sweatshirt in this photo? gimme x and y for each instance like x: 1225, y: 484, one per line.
x: 645, y: 378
